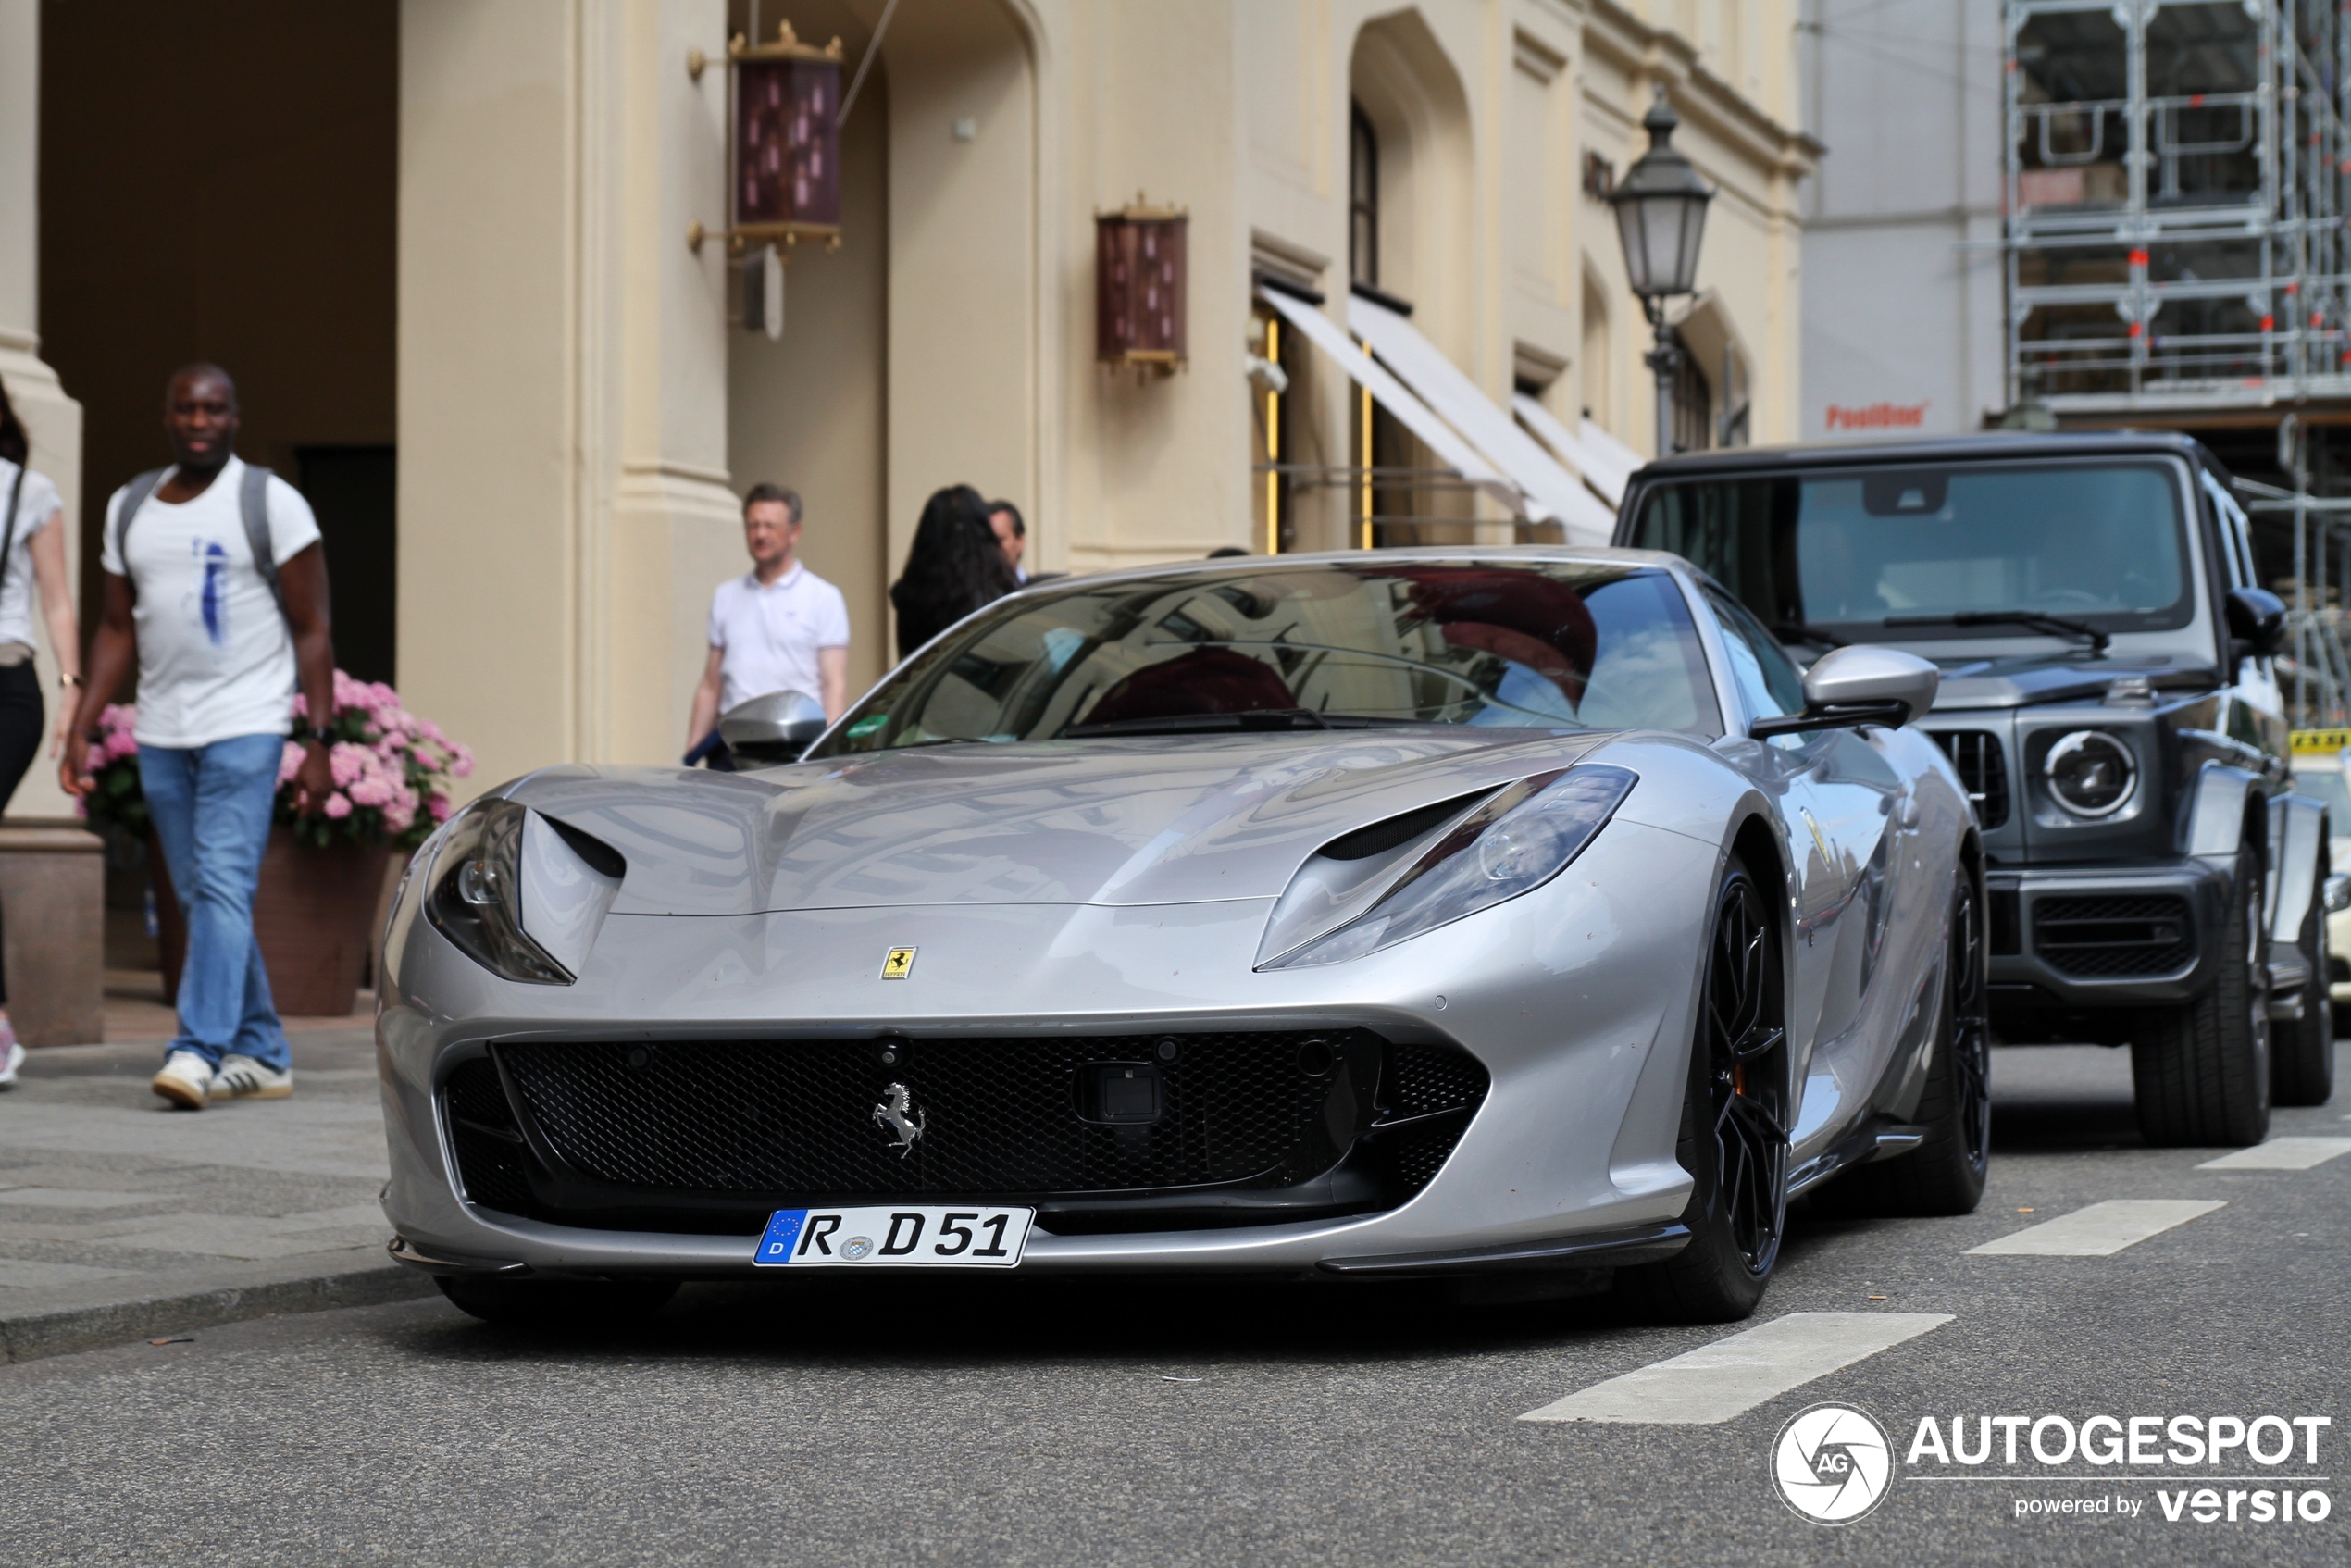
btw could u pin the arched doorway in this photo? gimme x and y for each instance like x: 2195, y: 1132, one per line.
x: 909, y: 355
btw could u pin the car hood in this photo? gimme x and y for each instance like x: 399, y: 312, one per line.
x: 2056, y: 678
x: 1136, y: 821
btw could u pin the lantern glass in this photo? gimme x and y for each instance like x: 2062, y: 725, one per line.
x: 1661, y: 234
x: 788, y: 150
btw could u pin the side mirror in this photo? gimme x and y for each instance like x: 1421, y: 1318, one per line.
x: 771, y: 729
x: 1860, y: 685
x: 2257, y: 617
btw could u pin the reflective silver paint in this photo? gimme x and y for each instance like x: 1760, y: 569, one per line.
x: 1127, y: 883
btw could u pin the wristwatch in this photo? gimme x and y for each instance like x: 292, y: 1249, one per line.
x: 306, y: 733
x: 68, y: 680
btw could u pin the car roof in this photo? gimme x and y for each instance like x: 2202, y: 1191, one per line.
x: 1498, y: 555
x: 1989, y: 447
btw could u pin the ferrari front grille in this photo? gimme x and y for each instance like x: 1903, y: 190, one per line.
x: 2114, y: 937
x: 1036, y: 1116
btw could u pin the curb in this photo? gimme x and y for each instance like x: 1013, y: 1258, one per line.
x: 64, y: 1330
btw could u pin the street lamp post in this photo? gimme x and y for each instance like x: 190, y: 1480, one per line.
x: 1660, y: 214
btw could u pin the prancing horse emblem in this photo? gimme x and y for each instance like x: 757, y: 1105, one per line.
x: 893, y: 1112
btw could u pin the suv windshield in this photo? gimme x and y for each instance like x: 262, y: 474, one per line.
x: 1547, y: 644
x: 1845, y: 551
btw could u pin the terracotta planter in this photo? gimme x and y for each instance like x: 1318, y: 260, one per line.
x: 315, y: 915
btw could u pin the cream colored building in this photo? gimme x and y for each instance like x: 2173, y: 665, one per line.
x: 507, y: 300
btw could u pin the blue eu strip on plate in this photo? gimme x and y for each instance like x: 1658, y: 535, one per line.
x: 782, y: 1235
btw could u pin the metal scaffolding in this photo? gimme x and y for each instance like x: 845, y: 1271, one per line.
x: 2175, y: 192
x: 2176, y: 255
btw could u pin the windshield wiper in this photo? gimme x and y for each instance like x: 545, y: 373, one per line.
x: 1796, y: 631
x: 1253, y: 718
x: 2032, y: 621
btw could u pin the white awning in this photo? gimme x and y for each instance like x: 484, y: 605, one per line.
x: 1610, y: 450
x: 1413, y: 414
x: 1599, y: 472
x: 1557, y: 494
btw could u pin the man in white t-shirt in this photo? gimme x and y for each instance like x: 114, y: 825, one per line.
x: 217, y: 648
x: 777, y: 628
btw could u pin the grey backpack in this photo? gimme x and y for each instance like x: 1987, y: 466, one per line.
x: 252, y: 503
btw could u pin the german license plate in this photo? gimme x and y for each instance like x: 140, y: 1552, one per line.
x: 932, y: 1237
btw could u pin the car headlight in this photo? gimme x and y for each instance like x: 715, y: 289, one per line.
x: 1515, y: 840
x: 522, y: 894
x: 2091, y: 773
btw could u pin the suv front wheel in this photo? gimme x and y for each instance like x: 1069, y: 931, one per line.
x: 2200, y: 1072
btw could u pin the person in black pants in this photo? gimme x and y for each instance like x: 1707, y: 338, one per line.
x: 33, y: 559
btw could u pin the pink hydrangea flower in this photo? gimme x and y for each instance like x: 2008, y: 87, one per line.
x: 336, y: 807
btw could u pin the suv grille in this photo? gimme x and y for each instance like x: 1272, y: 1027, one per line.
x: 1976, y: 754
x: 741, y: 1125
x: 2109, y: 936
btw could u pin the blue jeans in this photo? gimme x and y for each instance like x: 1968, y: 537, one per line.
x: 211, y: 807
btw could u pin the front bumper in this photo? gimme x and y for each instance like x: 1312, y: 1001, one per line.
x: 1583, y: 1031
x: 2067, y: 939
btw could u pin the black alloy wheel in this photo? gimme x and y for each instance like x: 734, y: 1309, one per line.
x: 1970, y: 1038
x: 1945, y: 1175
x: 1735, y: 1123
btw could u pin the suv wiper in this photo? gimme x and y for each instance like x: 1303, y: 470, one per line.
x: 1253, y: 718
x: 1796, y: 631
x: 2032, y: 621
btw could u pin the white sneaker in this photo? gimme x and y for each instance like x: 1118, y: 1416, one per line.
x: 11, y: 1057
x: 242, y: 1078
x: 186, y: 1080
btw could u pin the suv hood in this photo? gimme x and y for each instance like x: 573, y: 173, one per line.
x: 2056, y: 678
x: 1137, y: 821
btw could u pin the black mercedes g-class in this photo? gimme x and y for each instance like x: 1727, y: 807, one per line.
x: 2109, y: 702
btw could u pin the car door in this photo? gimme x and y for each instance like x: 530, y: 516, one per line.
x: 1845, y: 808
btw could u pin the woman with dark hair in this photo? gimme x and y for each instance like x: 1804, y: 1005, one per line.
x: 953, y: 567
x: 32, y: 556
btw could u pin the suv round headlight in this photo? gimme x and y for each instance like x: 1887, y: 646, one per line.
x: 2092, y: 772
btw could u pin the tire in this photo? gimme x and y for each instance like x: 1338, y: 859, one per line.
x: 1945, y: 1175
x: 2302, y: 1050
x: 2201, y: 1073
x: 573, y: 1306
x: 1734, y: 1137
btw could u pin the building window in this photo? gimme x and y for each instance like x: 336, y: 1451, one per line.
x: 1362, y: 198
x: 1693, y: 404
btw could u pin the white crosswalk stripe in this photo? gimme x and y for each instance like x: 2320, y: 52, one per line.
x: 2101, y: 1230
x: 2281, y: 1154
x: 1732, y: 1375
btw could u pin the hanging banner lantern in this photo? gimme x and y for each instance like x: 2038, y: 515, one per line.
x: 787, y: 175
x: 1140, y: 276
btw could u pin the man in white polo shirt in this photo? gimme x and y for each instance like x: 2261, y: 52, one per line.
x: 215, y: 584
x: 777, y: 628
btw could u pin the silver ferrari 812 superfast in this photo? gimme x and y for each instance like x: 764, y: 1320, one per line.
x: 1422, y: 914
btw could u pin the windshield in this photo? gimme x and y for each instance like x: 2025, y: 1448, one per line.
x: 1545, y: 644
x: 1857, y: 553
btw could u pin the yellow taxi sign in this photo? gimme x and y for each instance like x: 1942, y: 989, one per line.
x: 2309, y: 742
x: 898, y: 963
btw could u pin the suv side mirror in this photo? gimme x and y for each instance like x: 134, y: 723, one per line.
x: 1864, y: 684
x: 773, y: 728
x: 2257, y: 617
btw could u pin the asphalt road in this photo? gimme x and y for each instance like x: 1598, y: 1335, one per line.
x: 1023, y: 1422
